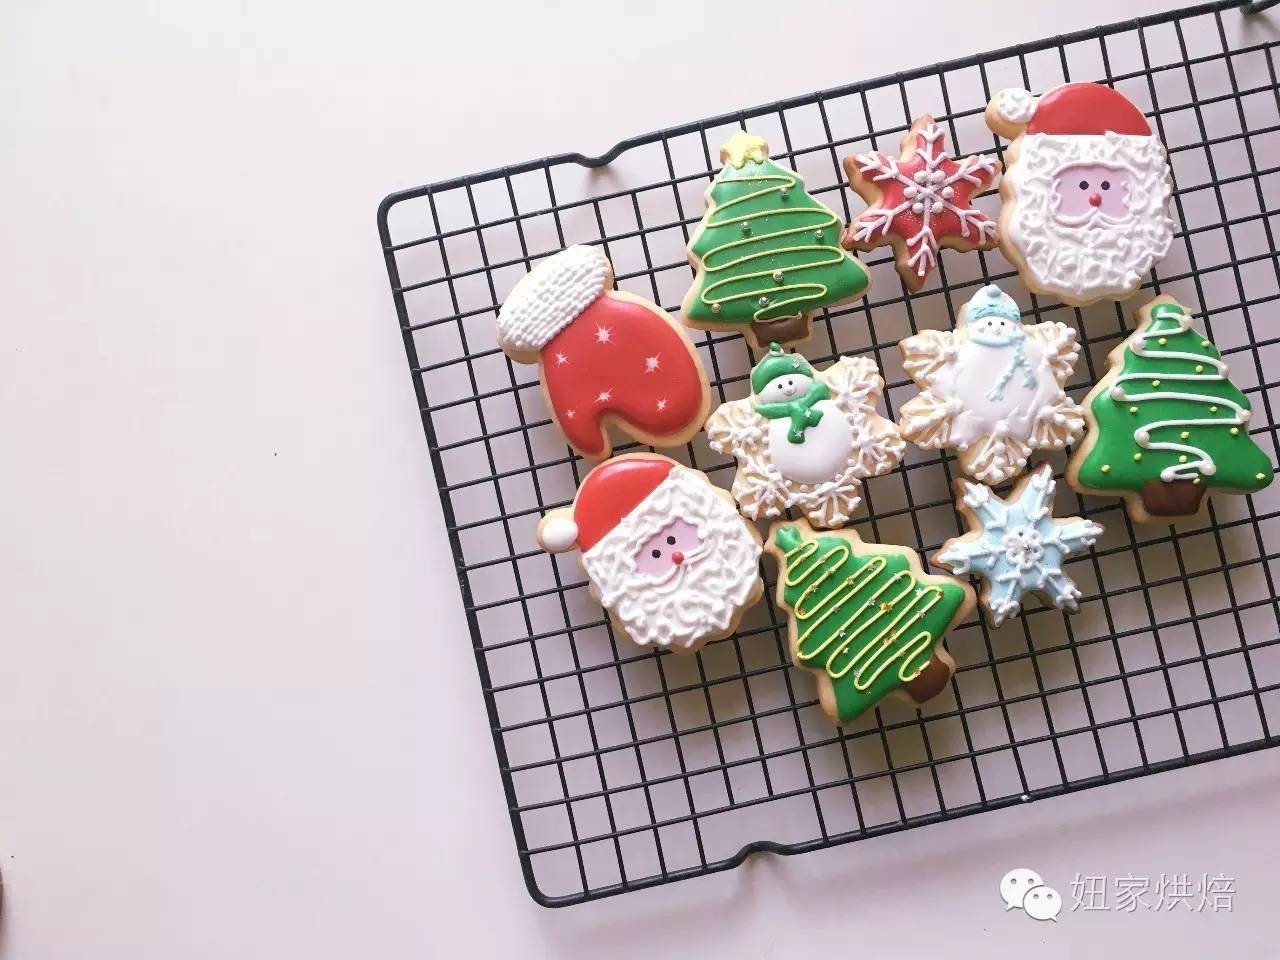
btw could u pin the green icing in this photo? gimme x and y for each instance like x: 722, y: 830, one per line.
x: 762, y: 225
x: 800, y: 410
x: 869, y: 621
x: 1156, y: 396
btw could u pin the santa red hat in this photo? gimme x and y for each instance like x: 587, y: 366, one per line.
x: 609, y: 493
x: 1074, y: 109
x: 551, y: 295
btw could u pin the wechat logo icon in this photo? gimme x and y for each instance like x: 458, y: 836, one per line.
x: 1025, y: 890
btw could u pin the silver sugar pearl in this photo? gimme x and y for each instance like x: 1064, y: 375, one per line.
x: 764, y: 301
x: 817, y: 234
x: 777, y: 276
x: 746, y: 228
x: 715, y: 308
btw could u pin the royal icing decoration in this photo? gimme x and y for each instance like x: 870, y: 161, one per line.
x: 806, y: 438
x: 865, y: 618
x: 665, y: 552
x: 1016, y: 545
x: 1167, y: 423
x: 920, y: 202
x: 1086, y: 191
x: 993, y: 388
x: 606, y: 356
x: 767, y: 253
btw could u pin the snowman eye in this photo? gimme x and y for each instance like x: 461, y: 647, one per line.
x: 1106, y: 184
x: 656, y: 554
x: 1084, y: 184
x: 671, y: 541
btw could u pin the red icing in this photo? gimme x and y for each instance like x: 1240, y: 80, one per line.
x: 588, y: 377
x: 1087, y: 109
x: 612, y: 490
x: 943, y: 222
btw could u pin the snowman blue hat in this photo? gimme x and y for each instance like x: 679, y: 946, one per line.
x: 991, y: 301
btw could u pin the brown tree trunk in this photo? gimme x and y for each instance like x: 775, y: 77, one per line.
x: 1179, y: 498
x: 783, y: 330
x: 930, y: 682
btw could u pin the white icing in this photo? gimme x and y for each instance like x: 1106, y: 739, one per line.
x: 550, y: 296
x: 869, y: 446
x: 557, y: 534
x: 993, y: 388
x: 694, y: 600
x: 823, y: 455
x: 1203, y: 462
x: 1015, y: 106
x: 1084, y: 262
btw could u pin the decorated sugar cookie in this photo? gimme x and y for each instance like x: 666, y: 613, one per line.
x: 767, y: 253
x: 1166, y: 425
x: 606, y: 356
x: 920, y: 202
x: 865, y: 618
x: 806, y: 438
x: 665, y: 552
x: 1086, y: 191
x: 993, y: 388
x: 1016, y: 544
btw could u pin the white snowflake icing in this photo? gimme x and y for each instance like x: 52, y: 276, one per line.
x: 928, y: 192
x: 1017, y: 545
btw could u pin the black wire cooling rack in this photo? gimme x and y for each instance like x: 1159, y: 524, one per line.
x: 626, y: 768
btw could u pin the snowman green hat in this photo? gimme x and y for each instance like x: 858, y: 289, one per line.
x: 778, y: 364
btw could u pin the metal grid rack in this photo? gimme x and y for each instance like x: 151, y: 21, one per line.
x: 626, y: 768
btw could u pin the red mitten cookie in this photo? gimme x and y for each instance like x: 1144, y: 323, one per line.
x: 607, y: 356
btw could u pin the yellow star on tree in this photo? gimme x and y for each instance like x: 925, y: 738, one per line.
x: 743, y: 146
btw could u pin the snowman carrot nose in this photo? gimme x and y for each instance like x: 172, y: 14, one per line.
x: 677, y: 557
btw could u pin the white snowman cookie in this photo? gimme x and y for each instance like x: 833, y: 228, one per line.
x: 806, y: 438
x: 992, y: 389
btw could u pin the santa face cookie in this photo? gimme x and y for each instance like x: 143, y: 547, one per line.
x: 665, y: 551
x: 1016, y: 545
x: 767, y: 254
x: 1165, y: 423
x: 920, y: 202
x: 1086, y: 191
x: 993, y: 388
x: 606, y: 356
x: 806, y: 438
x: 865, y: 618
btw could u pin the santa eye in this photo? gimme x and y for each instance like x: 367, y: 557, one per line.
x: 1106, y: 184
x: 671, y: 541
x: 1084, y: 184
x: 656, y: 554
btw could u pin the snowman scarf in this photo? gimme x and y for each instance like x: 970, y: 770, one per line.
x: 799, y: 410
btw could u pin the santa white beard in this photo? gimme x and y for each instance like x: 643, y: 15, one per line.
x: 699, y: 598
x: 1099, y: 257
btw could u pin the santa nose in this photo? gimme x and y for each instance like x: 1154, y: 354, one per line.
x: 1095, y: 199
x: 677, y: 557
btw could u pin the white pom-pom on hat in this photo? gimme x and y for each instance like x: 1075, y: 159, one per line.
x: 557, y: 534
x: 1014, y: 105
x: 550, y: 297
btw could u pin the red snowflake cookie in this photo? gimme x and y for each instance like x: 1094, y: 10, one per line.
x: 920, y: 202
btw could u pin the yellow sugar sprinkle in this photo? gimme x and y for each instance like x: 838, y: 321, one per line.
x: 1213, y: 409
x: 1205, y: 343
x: 1199, y: 368
x: 1106, y: 468
x: 1137, y: 457
x: 1185, y: 434
x: 1260, y: 476
x: 1162, y: 341
x: 1155, y: 383
x: 1235, y: 431
x: 1133, y: 409
x: 1195, y: 480
x: 1183, y: 458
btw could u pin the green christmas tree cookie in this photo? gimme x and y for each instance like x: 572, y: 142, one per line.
x: 1165, y: 423
x: 767, y: 253
x: 865, y: 618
